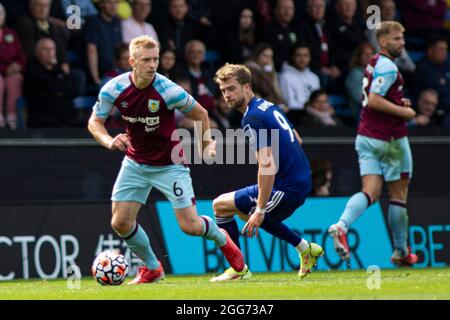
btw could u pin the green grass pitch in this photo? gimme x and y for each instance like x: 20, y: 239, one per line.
x: 395, y: 284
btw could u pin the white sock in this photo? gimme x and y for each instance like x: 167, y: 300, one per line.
x: 302, y: 246
x: 343, y: 225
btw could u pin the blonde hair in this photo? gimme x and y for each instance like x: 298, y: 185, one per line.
x: 386, y: 27
x: 238, y: 71
x: 146, y: 42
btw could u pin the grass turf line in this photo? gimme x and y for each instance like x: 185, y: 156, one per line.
x: 395, y: 284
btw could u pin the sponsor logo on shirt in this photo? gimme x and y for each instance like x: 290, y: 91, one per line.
x: 149, y: 121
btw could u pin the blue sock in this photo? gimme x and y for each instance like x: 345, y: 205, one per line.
x: 230, y: 225
x: 281, y: 231
x: 212, y: 232
x: 356, y: 205
x: 398, y: 222
x: 139, y: 244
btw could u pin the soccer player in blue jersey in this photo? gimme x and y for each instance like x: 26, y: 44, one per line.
x: 284, y: 180
x: 146, y: 101
x: 383, y: 147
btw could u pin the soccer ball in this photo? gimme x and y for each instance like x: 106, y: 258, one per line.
x: 110, y: 268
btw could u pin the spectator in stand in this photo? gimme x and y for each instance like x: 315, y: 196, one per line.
x: 59, y: 9
x: 315, y: 31
x: 103, y: 36
x: 319, y: 112
x: 200, y: 12
x: 223, y: 17
x: 60, y: 15
x: 433, y: 72
x: 12, y: 65
x: 241, y: 39
x: 121, y: 64
x: 423, y: 17
x: 347, y: 33
x: 426, y: 109
x: 264, y: 12
x: 264, y: 76
x: 354, y: 79
x: 36, y: 25
x: 389, y: 12
x: 202, y: 84
x: 297, y: 81
x: 14, y: 9
x: 159, y: 13
x: 49, y: 91
x: 282, y: 34
x: 322, y: 173
x: 178, y: 30
x: 221, y: 114
x: 167, y: 63
x: 136, y: 25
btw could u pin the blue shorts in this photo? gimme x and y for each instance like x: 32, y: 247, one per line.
x: 390, y: 159
x: 281, y: 205
x: 135, y: 181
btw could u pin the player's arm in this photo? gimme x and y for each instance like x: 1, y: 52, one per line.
x: 379, y: 103
x: 266, y: 176
x: 266, y: 179
x: 201, y: 118
x: 96, y: 127
x: 385, y: 74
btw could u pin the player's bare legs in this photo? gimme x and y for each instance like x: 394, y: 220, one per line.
x: 124, y: 216
x: 224, y: 211
x: 356, y: 205
x: 123, y: 221
x: 398, y: 222
x: 372, y: 185
x: 193, y: 224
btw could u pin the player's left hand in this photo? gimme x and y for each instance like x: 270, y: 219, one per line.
x: 210, y: 150
x: 406, y: 103
x: 253, y: 224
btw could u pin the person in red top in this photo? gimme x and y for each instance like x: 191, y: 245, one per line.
x: 12, y: 64
x: 383, y: 147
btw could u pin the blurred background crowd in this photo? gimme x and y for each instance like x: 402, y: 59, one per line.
x: 307, y: 56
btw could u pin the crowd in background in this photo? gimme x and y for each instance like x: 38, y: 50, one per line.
x: 307, y: 56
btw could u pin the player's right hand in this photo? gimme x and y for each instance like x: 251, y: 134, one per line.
x: 121, y: 142
x: 408, y: 113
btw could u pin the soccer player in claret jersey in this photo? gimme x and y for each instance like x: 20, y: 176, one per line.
x: 146, y: 101
x: 284, y: 181
x: 382, y: 146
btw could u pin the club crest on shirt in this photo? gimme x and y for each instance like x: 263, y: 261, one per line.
x: 153, y: 105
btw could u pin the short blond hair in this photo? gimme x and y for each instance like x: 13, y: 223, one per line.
x: 146, y: 42
x: 386, y: 27
x: 238, y: 71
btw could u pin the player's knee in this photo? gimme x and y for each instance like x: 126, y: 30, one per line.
x: 121, y: 226
x: 373, y: 194
x: 219, y: 206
